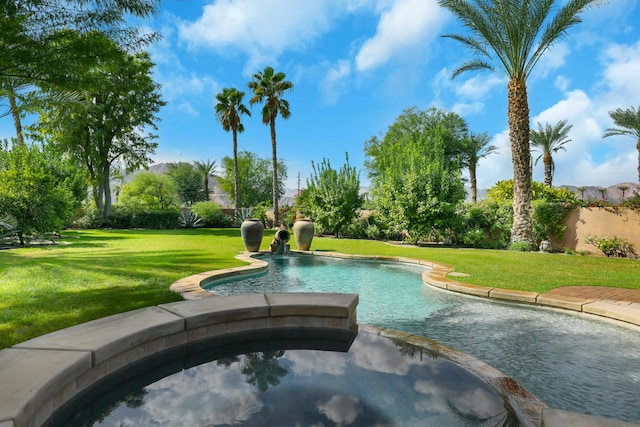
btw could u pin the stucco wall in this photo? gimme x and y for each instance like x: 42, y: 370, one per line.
x: 602, y: 222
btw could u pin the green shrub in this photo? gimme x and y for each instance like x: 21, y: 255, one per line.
x: 474, y: 237
x: 521, y: 246
x: 212, y: 215
x: 155, y: 219
x: 486, y: 224
x: 548, y: 219
x: 615, y: 246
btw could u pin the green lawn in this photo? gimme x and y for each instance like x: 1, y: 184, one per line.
x: 93, y: 274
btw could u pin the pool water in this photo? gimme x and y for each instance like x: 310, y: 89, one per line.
x: 377, y: 382
x: 570, y: 362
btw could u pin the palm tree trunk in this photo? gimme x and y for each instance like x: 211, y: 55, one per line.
x: 276, y: 219
x: 472, y: 179
x: 236, y: 187
x: 548, y: 169
x: 518, y: 110
x: 13, y: 106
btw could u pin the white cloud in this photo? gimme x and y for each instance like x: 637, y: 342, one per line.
x: 406, y: 25
x: 552, y: 59
x: 334, y: 80
x: 262, y: 30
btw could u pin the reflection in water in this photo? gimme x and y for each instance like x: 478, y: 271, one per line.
x: 378, y: 382
x: 262, y: 369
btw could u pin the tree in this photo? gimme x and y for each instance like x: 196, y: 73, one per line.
x: 332, y: 197
x: 415, y: 171
x: 582, y: 190
x: 187, y: 182
x: 206, y: 168
x: 33, y: 190
x: 254, y: 184
x: 623, y: 189
x: 476, y: 147
x: 269, y: 87
x: 122, y: 100
x: 512, y: 36
x: 628, y: 123
x: 37, y: 36
x: 149, y: 191
x: 548, y: 140
x: 228, y: 111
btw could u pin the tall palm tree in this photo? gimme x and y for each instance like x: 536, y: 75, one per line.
x: 476, y: 147
x: 512, y: 36
x: 269, y: 87
x: 228, y: 109
x: 548, y: 140
x: 628, y: 122
x: 206, y: 168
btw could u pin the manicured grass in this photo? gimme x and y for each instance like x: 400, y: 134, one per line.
x: 93, y: 274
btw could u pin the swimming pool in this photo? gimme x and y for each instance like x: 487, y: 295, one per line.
x: 570, y: 362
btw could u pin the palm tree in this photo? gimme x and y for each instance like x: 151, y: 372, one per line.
x: 512, y: 35
x: 628, y: 122
x: 582, y: 190
x: 206, y: 168
x: 228, y: 111
x: 624, y: 189
x: 475, y: 148
x: 548, y: 140
x: 269, y: 87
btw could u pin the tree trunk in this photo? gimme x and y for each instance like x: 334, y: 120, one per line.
x: 518, y: 106
x: 548, y: 169
x: 236, y: 187
x: 13, y: 105
x: 276, y: 216
x: 472, y: 179
x: 106, y: 187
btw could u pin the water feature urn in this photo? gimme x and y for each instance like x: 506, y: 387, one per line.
x: 303, y: 234
x: 251, y: 231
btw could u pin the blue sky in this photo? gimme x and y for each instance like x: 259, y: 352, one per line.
x: 357, y: 64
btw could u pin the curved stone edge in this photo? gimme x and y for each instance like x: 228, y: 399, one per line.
x: 621, y: 311
x: 41, y: 375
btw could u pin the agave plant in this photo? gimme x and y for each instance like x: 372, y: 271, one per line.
x: 8, y: 225
x: 189, y: 219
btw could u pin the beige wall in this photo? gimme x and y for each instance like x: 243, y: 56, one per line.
x: 603, y: 222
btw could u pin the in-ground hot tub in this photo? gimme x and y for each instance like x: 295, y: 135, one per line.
x: 236, y: 349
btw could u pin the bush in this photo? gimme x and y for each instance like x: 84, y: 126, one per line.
x: 613, y: 246
x: 548, y: 219
x: 212, y: 215
x: 160, y: 219
x: 486, y: 224
x: 521, y: 246
x: 188, y: 219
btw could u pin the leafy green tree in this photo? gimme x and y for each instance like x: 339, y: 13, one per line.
x: 187, y: 181
x: 416, y: 173
x: 254, y: 178
x: 37, y: 36
x: 149, y: 191
x: 332, y: 196
x: 549, y: 140
x: 122, y: 100
x: 628, y: 123
x: 269, y: 87
x: 32, y: 191
x: 476, y: 147
x: 512, y: 36
x: 228, y: 109
x: 206, y: 168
